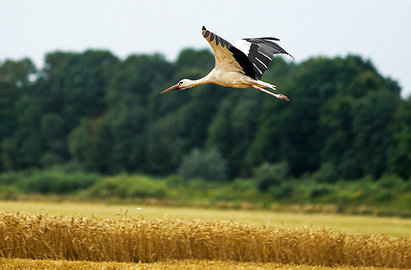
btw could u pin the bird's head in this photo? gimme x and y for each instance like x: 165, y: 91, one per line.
x: 183, y: 84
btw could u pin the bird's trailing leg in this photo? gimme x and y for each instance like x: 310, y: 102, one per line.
x: 279, y: 96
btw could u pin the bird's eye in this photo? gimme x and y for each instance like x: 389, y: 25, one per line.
x: 180, y: 83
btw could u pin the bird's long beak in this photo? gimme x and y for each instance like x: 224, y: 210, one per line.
x: 172, y: 88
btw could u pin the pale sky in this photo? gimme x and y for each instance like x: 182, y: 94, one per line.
x: 379, y: 30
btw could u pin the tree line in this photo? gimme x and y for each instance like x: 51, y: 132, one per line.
x: 95, y: 112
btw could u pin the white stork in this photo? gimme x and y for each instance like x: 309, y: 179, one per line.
x: 238, y: 66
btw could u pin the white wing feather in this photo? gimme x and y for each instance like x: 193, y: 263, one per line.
x: 243, y: 46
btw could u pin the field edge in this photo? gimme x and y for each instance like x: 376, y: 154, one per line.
x: 16, y: 263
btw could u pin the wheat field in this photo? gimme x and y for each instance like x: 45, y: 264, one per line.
x: 392, y: 226
x: 170, y: 265
x: 156, y: 240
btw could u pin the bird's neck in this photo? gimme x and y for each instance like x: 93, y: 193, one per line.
x: 205, y: 80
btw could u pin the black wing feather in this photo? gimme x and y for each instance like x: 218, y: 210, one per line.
x: 261, y: 53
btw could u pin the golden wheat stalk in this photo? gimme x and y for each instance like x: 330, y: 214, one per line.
x: 140, y: 240
x: 170, y: 265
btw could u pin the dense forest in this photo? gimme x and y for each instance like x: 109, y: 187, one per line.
x: 92, y: 111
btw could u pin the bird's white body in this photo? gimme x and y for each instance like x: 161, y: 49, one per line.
x: 228, y: 79
x: 239, y: 66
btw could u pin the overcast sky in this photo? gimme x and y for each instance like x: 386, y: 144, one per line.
x: 375, y: 29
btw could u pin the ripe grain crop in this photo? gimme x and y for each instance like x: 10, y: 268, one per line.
x: 170, y: 265
x: 366, y: 225
x: 140, y: 240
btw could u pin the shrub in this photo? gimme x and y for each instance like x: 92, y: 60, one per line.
x: 50, y: 159
x: 268, y: 175
x: 9, y: 178
x: 49, y: 181
x: 281, y: 191
x: 243, y: 184
x: 326, y: 174
x: 391, y: 182
x: 126, y: 187
x: 320, y: 191
x: 58, y: 182
x: 9, y: 192
x: 207, y: 165
x: 384, y: 196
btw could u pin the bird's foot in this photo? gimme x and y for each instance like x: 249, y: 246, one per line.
x: 281, y: 96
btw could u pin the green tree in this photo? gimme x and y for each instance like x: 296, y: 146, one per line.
x: 288, y: 131
x: 399, y: 150
x: 373, y: 115
x: 195, y: 59
x: 269, y: 175
x: 336, y: 121
x: 89, y: 145
x: 17, y: 73
x: 24, y: 147
x: 233, y: 129
x: 132, y: 95
x: 207, y: 165
x: 140, y: 75
x: 54, y: 137
x: 182, y: 129
x: 128, y: 137
x: 76, y: 84
x: 14, y: 82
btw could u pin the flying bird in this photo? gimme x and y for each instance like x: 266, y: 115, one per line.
x: 238, y: 66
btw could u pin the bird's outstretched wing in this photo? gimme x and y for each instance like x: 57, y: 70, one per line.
x: 228, y: 57
x: 260, y: 52
x: 250, y: 56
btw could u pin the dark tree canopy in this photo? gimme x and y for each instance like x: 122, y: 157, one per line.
x: 100, y: 113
